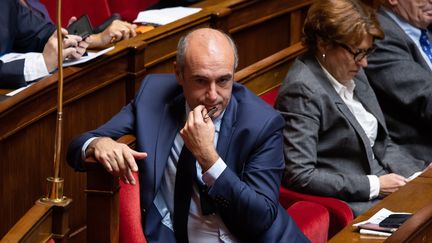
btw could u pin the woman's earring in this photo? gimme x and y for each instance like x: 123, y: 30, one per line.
x: 323, y: 56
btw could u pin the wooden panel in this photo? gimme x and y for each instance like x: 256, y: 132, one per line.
x: 262, y: 28
x: 269, y: 73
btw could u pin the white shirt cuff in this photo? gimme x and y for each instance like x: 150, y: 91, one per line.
x: 84, y: 147
x: 374, y: 186
x: 34, y: 67
x: 211, y: 175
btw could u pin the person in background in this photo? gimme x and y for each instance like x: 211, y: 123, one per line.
x: 208, y: 151
x: 400, y: 72
x: 24, y: 31
x: 336, y: 141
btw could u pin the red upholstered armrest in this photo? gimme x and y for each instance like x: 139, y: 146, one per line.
x: 340, y: 213
x: 130, y: 226
x: 312, y: 219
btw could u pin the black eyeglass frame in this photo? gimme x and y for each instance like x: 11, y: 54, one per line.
x: 360, y: 53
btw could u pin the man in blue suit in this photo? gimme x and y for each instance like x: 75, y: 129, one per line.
x: 234, y: 138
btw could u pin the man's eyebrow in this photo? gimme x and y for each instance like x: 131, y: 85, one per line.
x: 226, y: 76
x: 199, y: 76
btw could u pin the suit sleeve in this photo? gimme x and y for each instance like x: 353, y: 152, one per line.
x: 302, y: 109
x: 394, y: 72
x: 250, y: 200
x: 33, y: 31
x: 12, y: 74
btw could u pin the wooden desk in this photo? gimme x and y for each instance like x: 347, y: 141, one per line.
x: 410, y: 198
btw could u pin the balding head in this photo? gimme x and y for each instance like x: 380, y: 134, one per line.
x: 204, y: 40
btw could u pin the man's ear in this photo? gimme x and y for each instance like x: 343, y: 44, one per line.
x: 178, y: 73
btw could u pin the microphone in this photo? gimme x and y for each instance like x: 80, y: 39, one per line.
x: 106, y: 23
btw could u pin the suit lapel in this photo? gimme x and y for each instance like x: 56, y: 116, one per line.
x: 323, y: 80
x: 173, y: 115
x: 226, y: 131
x: 364, y: 94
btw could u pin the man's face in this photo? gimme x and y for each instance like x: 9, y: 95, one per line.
x: 416, y: 12
x: 208, y: 75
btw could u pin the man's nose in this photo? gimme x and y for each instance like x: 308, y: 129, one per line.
x: 211, y: 92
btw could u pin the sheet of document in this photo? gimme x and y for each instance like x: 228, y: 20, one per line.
x: 165, y: 15
x: 90, y: 56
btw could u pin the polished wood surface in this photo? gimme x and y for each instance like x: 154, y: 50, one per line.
x: 95, y: 91
x: 269, y: 73
x: 262, y: 28
x: 411, y: 198
x: 42, y: 222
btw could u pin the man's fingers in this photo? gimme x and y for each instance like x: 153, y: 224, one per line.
x: 71, y: 20
x: 130, y: 178
x: 130, y: 160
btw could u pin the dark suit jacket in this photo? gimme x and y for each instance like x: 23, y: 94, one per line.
x: 20, y: 31
x: 402, y: 81
x: 250, y: 143
x: 327, y: 152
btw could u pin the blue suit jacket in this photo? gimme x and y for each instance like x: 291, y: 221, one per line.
x: 20, y: 31
x: 250, y: 143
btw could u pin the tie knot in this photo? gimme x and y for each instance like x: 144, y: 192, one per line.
x: 423, y: 34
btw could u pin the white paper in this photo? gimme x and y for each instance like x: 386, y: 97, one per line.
x: 165, y: 15
x: 376, y: 219
x: 12, y: 93
x: 90, y: 56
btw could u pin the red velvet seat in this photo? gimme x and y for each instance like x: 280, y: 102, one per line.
x: 339, y: 212
x: 97, y: 10
x: 130, y: 228
x: 129, y: 9
x: 311, y: 218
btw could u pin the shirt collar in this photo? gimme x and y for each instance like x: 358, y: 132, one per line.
x: 412, y: 31
x: 340, y: 88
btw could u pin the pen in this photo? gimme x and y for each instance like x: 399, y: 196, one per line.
x: 211, y: 112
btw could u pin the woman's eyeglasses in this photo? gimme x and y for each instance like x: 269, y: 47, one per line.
x: 360, y: 53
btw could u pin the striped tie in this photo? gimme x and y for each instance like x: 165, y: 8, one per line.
x: 425, y: 44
